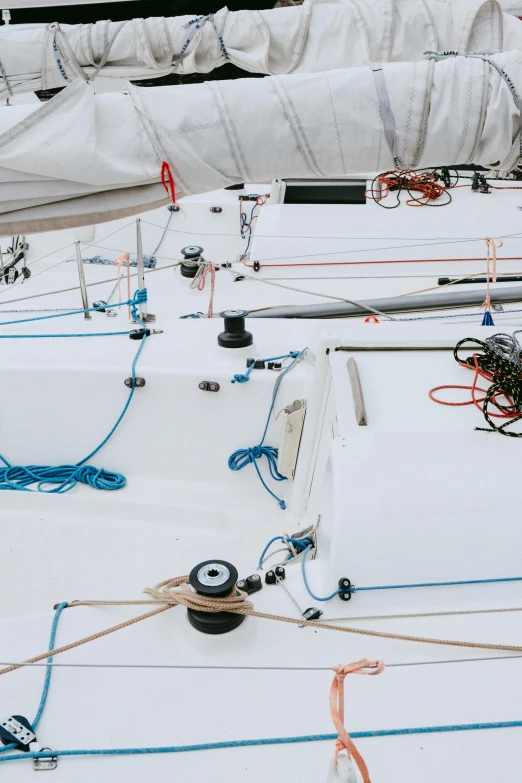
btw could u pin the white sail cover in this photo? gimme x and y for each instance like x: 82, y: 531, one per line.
x: 84, y: 158
x: 307, y: 39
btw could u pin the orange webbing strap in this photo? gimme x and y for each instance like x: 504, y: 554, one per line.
x: 344, y: 742
x: 491, y: 257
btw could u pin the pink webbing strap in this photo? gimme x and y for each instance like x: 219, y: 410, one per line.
x: 344, y: 742
x: 491, y: 257
x: 119, y: 262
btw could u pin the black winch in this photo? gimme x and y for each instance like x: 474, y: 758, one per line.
x: 192, y: 256
x: 235, y: 335
x: 214, y: 579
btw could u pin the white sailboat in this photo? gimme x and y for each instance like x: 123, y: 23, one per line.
x: 286, y: 494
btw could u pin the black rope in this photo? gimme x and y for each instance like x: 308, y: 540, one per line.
x: 500, y: 357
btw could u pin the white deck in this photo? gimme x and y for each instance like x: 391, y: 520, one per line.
x: 453, y: 519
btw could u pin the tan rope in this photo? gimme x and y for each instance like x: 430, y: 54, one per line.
x: 166, y: 592
x: 167, y: 596
x: 86, y: 639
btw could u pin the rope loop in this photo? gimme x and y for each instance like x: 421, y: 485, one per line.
x: 243, y: 457
x: 344, y: 741
x: 178, y: 591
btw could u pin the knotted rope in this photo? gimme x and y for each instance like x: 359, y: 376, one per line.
x: 344, y: 742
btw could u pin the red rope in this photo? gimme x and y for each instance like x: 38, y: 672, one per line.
x: 422, y: 182
x: 167, y: 179
x: 506, y: 412
x: 392, y: 261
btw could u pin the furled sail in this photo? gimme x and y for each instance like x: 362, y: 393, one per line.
x: 310, y: 38
x: 82, y: 158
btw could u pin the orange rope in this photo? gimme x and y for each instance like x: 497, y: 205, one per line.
x: 344, y: 741
x: 424, y: 182
x: 506, y: 412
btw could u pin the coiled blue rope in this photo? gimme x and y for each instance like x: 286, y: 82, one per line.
x: 48, y: 673
x: 243, y: 457
x: 66, y: 477
x: 249, y: 743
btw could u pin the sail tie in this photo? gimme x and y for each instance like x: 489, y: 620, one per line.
x: 491, y: 258
x: 344, y: 741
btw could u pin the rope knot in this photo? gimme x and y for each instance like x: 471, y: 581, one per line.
x: 359, y: 667
x: 140, y: 297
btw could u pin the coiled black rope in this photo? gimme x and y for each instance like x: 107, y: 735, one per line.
x: 499, y: 362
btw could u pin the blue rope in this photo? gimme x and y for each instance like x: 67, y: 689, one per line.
x: 511, y: 724
x: 299, y: 543
x: 245, y: 377
x: 20, y: 477
x: 139, y: 297
x: 306, y: 544
x: 305, y: 580
x: 438, y: 584
x: 48, y: 672
x: 149, y: 262
x: 245, y: 224
x: 37, y: 336
x: 243, y: 457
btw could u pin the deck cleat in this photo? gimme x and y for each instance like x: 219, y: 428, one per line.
x: 345, y: 589
x: 252, y: 584
x: 46, y: 763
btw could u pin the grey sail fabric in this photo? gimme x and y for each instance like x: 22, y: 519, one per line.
x: 104, y: 153
x: 310, y: 38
